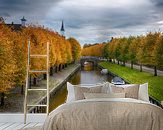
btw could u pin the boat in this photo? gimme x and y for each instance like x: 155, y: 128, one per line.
x: 104, y: 71
x: 117, y: 81
x: 86, y: 63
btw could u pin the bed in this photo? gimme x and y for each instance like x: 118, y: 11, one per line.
x: 106, y: 107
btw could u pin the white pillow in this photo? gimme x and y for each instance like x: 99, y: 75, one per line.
x: 125, y: 85
x: 162, y: 103
x: 71, y: 92
x: 104, y: 95
x: 143, y: 92
x: 106, y: 88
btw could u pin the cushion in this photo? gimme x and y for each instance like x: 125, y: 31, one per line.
x: 125, y: 85
x: 143, y: 92
x: 104, y: 95
x: 106, y: 88
x: 79, y: 91
x: 131, y: 92
x: 71, y: 92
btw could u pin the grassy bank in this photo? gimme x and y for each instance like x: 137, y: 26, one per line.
x: 135, y: 76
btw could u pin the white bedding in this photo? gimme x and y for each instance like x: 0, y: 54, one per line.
x: 106, y: 114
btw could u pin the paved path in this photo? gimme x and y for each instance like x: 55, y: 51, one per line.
x: 35, y: 96
x: 146, y: 69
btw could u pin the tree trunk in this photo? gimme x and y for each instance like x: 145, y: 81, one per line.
x: 141, y: 68
x: 56, y: 69
x: 51, y: 71
x: 60, y: 67
x: 22, y: 89
x: 118, y: 62
x: 131, y: 64
x: 124, y: 63
x: 30, y: 81
x: 44, y: 75
x: 34, y: 81
x: 2, y: 99
x: 63, y: 66
x: 155, y: 71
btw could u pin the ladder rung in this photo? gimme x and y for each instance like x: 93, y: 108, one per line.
x: 38, y: 71
x: 38, y: 105
x: 37, y: 89
x: 38, y: 56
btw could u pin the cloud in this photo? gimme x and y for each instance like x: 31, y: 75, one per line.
x: 28, y: 8
x: 104, y: 19
x: 89, y: 20
x: 158, y: 3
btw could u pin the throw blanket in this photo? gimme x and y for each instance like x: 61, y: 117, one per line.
x: 106, y: 114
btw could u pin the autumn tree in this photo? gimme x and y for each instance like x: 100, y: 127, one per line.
x: 158, y: 53
x: 76, y: 49
x: 7, y: 62
x: 105, y: 52
x: 149, y: 47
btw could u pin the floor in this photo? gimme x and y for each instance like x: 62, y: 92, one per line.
x: 14, y: 121
x: 17, y: 126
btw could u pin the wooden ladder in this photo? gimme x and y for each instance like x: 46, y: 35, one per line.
x: 27, y: 89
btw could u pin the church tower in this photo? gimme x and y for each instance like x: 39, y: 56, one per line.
x: 62, y: 31
x: 23, y: 20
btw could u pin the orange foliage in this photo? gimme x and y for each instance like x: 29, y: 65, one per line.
x: 94, y: 50
x: 13, y: 52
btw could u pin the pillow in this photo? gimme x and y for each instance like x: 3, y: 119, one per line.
x: 79, y: 91
x: 143, y: 92
x: 104, y: 95
x: 162, y: 103
x: 106, y: 88
x: 71, y: 92
x: 125, y: 85
x: 131, y: 92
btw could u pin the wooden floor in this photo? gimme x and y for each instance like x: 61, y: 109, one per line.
x: 18, y: 126
x: 15, y: 121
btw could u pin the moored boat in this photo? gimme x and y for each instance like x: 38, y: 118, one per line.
x: 104, y: 71
x: 117, y: 81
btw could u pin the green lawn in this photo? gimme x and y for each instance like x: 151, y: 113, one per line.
x: 135, y: 76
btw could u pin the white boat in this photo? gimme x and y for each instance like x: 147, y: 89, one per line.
x: 86, y: 63
x: 104, y: 71
x: 117, y: 81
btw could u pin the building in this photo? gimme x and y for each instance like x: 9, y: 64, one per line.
x: 13, y: 26
x: 62, y: 31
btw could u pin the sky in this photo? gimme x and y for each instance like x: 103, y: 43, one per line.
x: 89, y: 21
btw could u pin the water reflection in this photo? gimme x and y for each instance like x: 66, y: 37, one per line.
x: 81, y: 77
x: 88, y: 66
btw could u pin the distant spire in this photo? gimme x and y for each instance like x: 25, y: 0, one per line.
x: 62, y: 29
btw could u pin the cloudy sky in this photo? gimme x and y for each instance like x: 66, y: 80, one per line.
x: 89, y: 21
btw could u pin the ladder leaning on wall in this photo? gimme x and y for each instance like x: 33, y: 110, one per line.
x: 27, y: 89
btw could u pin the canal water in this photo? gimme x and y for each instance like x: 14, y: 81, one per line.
x: 87, y: 75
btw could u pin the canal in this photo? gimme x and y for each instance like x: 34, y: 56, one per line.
x: 87, y: 75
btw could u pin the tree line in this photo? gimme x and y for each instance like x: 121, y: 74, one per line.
x: 142, y: 50
x: 13, y: 53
